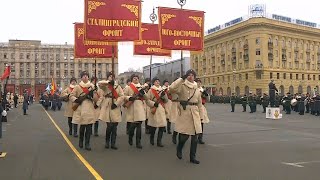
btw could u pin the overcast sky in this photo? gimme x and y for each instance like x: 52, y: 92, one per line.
x: 51, y: 20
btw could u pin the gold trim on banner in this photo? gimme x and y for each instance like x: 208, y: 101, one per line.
x: 165, y: 18
x: 92, y: 5
x: 134, y: 9
x: 144, y: 29
x: 80, y: 32
x: 198, y: 20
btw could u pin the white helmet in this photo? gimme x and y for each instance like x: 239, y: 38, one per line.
x: 4, y: 113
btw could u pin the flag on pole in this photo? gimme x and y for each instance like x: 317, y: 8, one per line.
x: 6, y: 73
x: 53, y: 87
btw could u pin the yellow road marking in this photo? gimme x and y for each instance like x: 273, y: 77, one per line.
x: 3, y: 154
x: 81, y: 158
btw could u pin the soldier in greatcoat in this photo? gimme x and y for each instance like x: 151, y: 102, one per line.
x: 68, y: 112
x: 174, y: 114
x: 82, y: 95
x: 188, y: 122
x: 124, y: 109
x: 204, y: 115
x: 147, y: 84
x: 94, y: 80
x: 136, y: 112
x: 111, y: 98
x: 157, y: 116
x: 168, y: 105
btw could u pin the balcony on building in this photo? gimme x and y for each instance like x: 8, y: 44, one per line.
x: 259, y: 66
x: 270, y: 56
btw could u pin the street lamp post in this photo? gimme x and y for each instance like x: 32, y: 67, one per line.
x: 234, y: 81
x: 181, y: 3
x: 153, y: 17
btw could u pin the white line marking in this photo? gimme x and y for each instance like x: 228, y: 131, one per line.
x: 292, y: 164
x: 298, y: 164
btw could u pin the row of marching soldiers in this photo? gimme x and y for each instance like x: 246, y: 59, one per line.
x: 181, y: 103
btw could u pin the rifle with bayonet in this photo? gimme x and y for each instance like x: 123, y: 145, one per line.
x: 83, y: 96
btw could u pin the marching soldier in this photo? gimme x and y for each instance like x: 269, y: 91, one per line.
x: 244, y: 100
x: 94, y: 81
x: 168, y: 105
x: 157, y: 116
x: 82, y: 96
x: 312, y: 104
x: 300, y: 104
x: 204, y: 115
x: 110, y: 99
x: 147, y: 84
x: 174, y: 114
x: 250, y: 102
x: 308, y: 103
x: 65, y: 96
x: 265, y: 102
x: 124, y: 109
x: 136, y: 109
x: 232, y: 102
x: 189, y: 122
x: 25, y: 102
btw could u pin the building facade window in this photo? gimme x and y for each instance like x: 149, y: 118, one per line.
x: 247, y: 77
x: 284, y: 75
x: 290, y: 76
x: 302, y: 76
x: 258, y: 52
x: 271, y: 75
x: 257, y: 41
x: 278, y: 75
x: 297, y: 76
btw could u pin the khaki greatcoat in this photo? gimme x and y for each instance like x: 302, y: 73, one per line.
x: 188, y: 121
x: 174, y: 108
x: 85, y: 113
x: 68, y: 112
x: 159, y: 118
x: 204, y: 115
x: 105, y: 103
x: 137, y: 111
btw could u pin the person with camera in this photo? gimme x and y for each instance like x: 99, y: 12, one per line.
x: 157, y: 115
x: 68, y: 112
x: 82, y: 96
x: 135, y: 109
x: 110, y: 99
x: 204, y: 117
x: 188, y: 122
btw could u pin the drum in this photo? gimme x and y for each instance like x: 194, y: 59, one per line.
x: 294, y: 102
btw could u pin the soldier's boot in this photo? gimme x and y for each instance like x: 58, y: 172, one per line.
x: 108, y: 135
x: 128, y: 127
x: 70, y: 125
x: 200, y: 137
x: 182, y: 140
x: 87, y: 137
x: 75, y: 130
x: 193, y: 149
x: 96, y: 126
x: 138, y: 136
x: 81, y: 137
x: 152, y: 133
x: 114, y: 136
x: 131, y: 132
x: 147, y: 128
x: 169, y: 126
x: 159, y: 138
x: 174, y: 137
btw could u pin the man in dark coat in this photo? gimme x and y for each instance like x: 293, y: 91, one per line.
x: 15, y: 100
x: 25, y: 102
x: 265, y: 102
x: 272, y: 93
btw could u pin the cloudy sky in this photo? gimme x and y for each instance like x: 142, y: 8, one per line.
x: 51, y: 20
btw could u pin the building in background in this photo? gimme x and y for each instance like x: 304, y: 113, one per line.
x: 169, y: 71
x: 245, y: 54
x: 34, y: 64
x: 122, y: 77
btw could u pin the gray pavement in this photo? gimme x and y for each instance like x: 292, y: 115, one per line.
x: 239, y: 146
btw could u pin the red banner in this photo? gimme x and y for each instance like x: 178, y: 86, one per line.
x: 181, y: 29
x: 113, y: 20
x: 90, y: 49
x: 150, y: 43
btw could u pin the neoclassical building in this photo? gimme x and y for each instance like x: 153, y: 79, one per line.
x: 246, y: 56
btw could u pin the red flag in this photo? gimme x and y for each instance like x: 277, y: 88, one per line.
x: 6, y: 73
x: 53, y: 87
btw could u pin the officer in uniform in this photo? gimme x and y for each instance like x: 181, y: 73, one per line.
x: 168, y: 105
x: 250, y: 102
x: 65, y: 96
x: 232, y: 102
x: 265, y: 102
x: 244, y: 100
x: 189, y: 122
x: 82, y: 96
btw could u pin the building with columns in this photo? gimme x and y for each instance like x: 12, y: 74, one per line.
x: 33, y: 65
x: 245, y: 56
